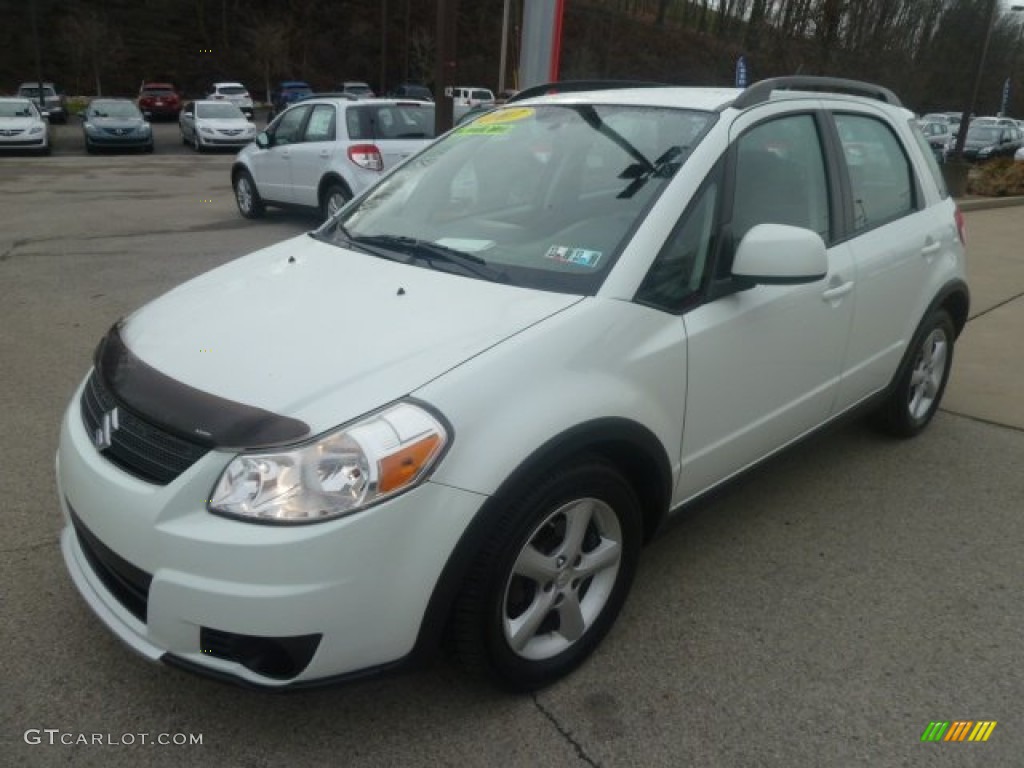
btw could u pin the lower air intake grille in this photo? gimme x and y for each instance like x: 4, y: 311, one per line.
x: 130, y: 585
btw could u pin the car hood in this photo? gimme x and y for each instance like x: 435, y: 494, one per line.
x: 323, y: 334
x: 117, y: 122
x: 222, y: 124
x: 17, y: 123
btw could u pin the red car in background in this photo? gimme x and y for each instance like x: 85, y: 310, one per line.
x: 159, y: 100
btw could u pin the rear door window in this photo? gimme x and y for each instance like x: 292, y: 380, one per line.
x: 881, y: 177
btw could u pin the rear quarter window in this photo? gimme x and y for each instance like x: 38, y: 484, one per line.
x: 930, y: 160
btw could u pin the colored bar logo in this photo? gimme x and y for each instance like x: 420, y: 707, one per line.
x: 958, y: 730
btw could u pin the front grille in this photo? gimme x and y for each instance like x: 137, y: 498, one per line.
x: 231, y: 131
x: 11, y: 132
x: 126, y: 582
x: 135, y: 445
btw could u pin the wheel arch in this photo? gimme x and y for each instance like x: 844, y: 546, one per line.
x: 955, y: 298
x: 629, y: 446
x: 328, y: 179
x: 236, y: 169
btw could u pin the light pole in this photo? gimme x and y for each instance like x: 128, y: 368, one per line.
x: 1014, y: 6
x: 965, y: 119
x: 39, y: 58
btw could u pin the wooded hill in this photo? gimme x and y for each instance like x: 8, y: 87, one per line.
x: 925, y: 50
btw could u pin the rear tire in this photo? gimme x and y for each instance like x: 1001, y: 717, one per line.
x: 550, y: 580
x: 333, y: 199
x: 250, y: 205
x: 921, y: 379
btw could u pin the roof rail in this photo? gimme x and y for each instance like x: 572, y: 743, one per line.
x: 576, y: 86
x: 762, y: 90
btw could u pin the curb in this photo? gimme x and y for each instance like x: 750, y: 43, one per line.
x: 988, y: 203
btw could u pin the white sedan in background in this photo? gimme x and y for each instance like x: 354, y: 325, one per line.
x: 209, y: 124
x: 23, y: 127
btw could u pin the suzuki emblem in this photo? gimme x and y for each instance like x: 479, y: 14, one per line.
x: 108, y: 425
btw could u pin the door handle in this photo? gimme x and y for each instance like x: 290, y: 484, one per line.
x: 931, y: 249
x: 837, y: 291
x: 324, y: 153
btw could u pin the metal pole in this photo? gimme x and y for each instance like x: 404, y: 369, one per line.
x: 39, y: 58
x: 965, y: 119
x: 383, y: 47
x: 444, y: 67
x: 504, y: 48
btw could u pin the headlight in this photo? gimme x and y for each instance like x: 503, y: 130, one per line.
x: 342, y: 472
x: 205, y: 129
x: 985, y: 150
x: 35, y: 129
x: 145, y: 128
x: 90, y: 128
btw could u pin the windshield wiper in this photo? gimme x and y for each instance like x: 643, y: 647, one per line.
x: 434, y: 253
x: 353, y: 243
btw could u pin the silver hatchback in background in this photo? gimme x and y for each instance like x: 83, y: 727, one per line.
x: 235, y: 93
x: 321, y: 152
x: 213, y: 124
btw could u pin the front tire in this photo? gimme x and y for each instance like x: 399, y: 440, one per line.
x: 549, y: 582
x: 250, y: 205
x: 921, y: 379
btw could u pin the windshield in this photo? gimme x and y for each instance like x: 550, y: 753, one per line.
x: 546, y: 196
x: 986, y: 133
x: 222, y: 111
x: 17, y: 109
x: 390, y: 121
x: 33, y: 92
x: 114, y: 109
x: 233, y: 90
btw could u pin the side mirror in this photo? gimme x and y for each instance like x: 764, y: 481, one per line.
x: 46, y: 114
x: 263, y: 140
x: 778, y: 254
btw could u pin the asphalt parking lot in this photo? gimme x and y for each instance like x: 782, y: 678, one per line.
x: 820, y: 612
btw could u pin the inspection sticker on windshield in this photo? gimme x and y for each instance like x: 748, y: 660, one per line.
x: 578, y: 256
x: 505, y: 116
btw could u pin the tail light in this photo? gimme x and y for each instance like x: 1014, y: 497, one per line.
x: 961, y: 225
x: 366, y: 156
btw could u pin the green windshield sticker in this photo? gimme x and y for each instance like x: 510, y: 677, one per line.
x: 484, y: 130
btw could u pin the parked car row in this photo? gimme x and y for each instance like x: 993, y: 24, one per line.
x: 987, y: 137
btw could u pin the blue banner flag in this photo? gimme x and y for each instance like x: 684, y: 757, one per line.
x: 741, y: 72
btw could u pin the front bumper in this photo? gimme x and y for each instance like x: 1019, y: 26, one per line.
x: 224, y: 141
x: 114, y: 142
x: 358, y: 585
x: 24, y: 142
